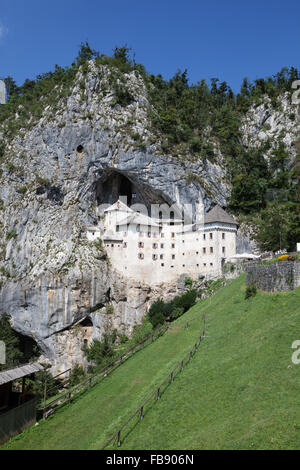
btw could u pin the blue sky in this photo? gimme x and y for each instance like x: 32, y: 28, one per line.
x: 224, y: 39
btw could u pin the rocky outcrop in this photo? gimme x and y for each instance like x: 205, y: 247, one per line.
x: 55, y: 175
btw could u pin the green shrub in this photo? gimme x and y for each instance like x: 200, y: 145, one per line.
x: 188, y: 282
x: 251, y: 291
x: 11, y: 234
x: 77, y: 375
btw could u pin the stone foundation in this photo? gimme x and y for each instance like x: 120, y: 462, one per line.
x: 277, y: 276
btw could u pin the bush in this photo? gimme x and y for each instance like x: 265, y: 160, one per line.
x: 188, y: 282
x: 77, y: 375
x: 251, y: 291
x: 161, y: 311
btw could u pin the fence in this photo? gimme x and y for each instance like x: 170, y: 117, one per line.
x: 49, y: 407
x: 157, y: 393
x: 17, y: 419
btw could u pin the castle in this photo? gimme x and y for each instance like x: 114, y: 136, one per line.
x: 160, y: 249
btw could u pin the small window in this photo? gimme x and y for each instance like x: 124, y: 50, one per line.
x: 211, y: 264
x: 211, y: 236
x: 154, y: 246
x: 162, y: 264
x: 162, y: 235
x: 173, y: 245
x: 141, y: 255
x: 161, y: 256
x: 173, y: 256
x: 204, y: 251
x: 182, y: 241
x: 223, y: 236
x: 204, y: 264
x: 154, y: 257
x: 138, y: 228
x: 149, y: 234
x: 197, y: 265
x: 197, y: 252
x: 183, y: 265
x: 162, y: 245
x: 112, y: 245
x: 182, y: 254
x: 125, y: 245
x: 204, y: 236
x: 173, y: 235
x: 118, y: 228
x: 211, y: 249
x: 141, y: 245
x: 223, y: 250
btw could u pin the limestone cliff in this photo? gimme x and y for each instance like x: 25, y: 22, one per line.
x: 54, y: 175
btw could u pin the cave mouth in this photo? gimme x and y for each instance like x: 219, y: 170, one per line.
x: 86, y: 322
x: 115, y: 185
x: 28, y: 348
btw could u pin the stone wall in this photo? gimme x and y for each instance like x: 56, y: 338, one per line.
x: 277, y: 276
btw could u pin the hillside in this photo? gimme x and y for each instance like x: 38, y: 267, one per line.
x: 240, y: 390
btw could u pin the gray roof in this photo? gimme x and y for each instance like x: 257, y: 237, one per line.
x: 217, y: 214
x: 7, y: 376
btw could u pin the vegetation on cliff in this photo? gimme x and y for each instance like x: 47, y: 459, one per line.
x: 195, y: 121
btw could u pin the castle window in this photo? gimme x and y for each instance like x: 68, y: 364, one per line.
x: 197, y: 252
x: 141, y: 256
x: 161, y: 256
x: 211, y: 236
x: 141, y: 244
x: 204, y: 264
x: 112, y: 245
x: 138, y: 228
x: 211, y: 249
x: 223, y: 236
x: 162, y: 264
x: 154, y: 257
x: 162, y: 235
x: 197, y: 265
x: 223, y: 250
x: 172, y: 217
x: 204, y: 236
x: 173, y: 235
x: 204, y: 251
x: 182, y: 254
x: 173, y: 245
x: 80, y: 149
x: 182, y: 241
x: 211, y: 264
x: 173, y: 256
x: 118, y: 228
x: 154, y: 246
x: 162, y: 245
x: 125, y: 245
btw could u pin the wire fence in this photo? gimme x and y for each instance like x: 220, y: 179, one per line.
x: 49, y: 406
x: 157, y: 393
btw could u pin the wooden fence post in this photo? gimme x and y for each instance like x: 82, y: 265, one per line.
x: 141, y: 413
x: 119, y: 438
x: 181, y: 365
x: 45, y: 398
x: 158, y: 393
x: 172, y: 376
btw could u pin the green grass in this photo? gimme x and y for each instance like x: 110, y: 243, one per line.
x: 240, y: 390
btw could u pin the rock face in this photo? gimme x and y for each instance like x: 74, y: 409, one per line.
x: 55, y: 176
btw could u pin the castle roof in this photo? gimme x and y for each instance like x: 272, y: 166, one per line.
x: 217, y: 214
x: 118, y: 206
x: 138, y: 219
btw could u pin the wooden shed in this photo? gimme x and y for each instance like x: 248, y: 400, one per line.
x: 17, y: 408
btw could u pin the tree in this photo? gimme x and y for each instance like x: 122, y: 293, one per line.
x: 12, y: 342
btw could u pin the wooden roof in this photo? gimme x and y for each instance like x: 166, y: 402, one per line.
x: 7, y: 376
x: 217, y: 214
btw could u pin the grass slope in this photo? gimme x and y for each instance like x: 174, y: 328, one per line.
x: 240, y: 391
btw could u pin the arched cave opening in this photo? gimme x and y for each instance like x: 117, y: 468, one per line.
x: 115, y: 185
x: 28, y: 348
x: 86, y: 322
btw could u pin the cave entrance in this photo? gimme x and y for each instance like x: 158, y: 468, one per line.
x: 115, y: 185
